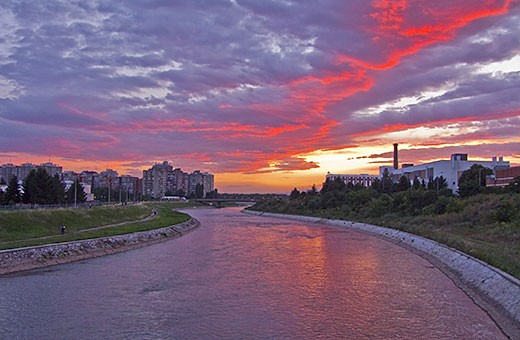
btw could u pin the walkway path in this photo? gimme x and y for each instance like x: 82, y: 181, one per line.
x: 147, y: 218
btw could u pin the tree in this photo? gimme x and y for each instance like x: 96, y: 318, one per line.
x: 472, y: 180
x: 75, y: 193
x: 180, y: 193
x: 199, y: 191
x: 416, y: 184
x: 437, y: 184
x: 313, y: 191
x: 515, y: 185
x: 295, y: 194
x: 337, y: 184
x: 376, y: 185
x: 58, y: 190
x: 12, y: 193
x: 101, y: 194
x: 39, y: 188
x: 386, y: 182
x: 431, y: 184
x: 212, y: 194
x: 404, y: 184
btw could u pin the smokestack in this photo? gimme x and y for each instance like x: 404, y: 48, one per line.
x: 396, y: 161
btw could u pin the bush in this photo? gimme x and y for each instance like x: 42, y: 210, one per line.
x: 381, y: 206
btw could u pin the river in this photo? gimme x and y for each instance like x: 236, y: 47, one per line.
x: 244, y: 277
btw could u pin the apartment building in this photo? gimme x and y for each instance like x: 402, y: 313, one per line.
x: 163, y: 179
x: 200, y: 178
x: 155, y: 180
x: 107, y: 178
x: 7, y: 171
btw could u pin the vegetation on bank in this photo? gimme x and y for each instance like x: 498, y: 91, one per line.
x: 35, y: 227
x: 481, y: 222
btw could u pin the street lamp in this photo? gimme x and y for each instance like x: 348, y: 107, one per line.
x: 75, y: 193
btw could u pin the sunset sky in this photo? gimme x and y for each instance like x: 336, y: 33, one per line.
x: 266, y: 94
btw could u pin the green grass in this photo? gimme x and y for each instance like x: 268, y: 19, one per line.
x: 37, y: 227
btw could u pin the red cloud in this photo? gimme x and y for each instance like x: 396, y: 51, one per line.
x: 404, y: 27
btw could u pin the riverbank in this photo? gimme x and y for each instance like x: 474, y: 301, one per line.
x: 21, y: 259
x: 497, y: 292
x: 40, y: 227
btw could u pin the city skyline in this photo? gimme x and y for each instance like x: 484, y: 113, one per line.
x: 265, y: 95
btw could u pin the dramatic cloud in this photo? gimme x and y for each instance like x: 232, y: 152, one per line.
x: 257, y: 87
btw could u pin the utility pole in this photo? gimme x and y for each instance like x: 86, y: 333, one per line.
x: 75, y: 192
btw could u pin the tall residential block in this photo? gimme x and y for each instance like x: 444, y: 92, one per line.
x: 205, y: 179
x: 7, y: 171
x: 163, y: 180
x: 155, y: 180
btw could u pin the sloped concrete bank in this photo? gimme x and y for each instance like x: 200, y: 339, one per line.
x: 15, y: 260
x: 496, y: 287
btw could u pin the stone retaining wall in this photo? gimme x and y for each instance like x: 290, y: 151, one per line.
x: 14, y: 260
x: 496, y: 285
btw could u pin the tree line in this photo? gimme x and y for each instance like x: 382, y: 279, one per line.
x: 42, y: 189
x: 386, y: 196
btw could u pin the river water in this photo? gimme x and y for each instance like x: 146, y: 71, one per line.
x: 244, y: 277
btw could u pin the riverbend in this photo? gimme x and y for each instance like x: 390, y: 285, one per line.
x: 240, y: 276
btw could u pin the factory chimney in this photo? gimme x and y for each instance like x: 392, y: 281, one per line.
x: 396, y: 161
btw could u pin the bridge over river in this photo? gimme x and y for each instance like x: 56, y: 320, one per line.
x: 217, y: 202
x: 245, y: 277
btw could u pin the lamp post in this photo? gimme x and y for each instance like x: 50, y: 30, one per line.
x: 75, y: 192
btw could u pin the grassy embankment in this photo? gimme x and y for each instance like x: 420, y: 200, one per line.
x: 23, y: 228
x: 484, y: 226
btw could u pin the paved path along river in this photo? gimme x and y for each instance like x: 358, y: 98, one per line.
x: 245, y: 277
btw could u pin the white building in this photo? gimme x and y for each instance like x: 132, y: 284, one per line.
x: 451, y: 169
x: 361, y: 179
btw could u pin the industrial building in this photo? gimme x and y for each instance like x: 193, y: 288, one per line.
x: 504, y: 177
x: 450, y: 169
x: 361, y: 179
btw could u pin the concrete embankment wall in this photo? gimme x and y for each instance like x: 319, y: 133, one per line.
x: 19, y: 259
x: 496, y: 285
